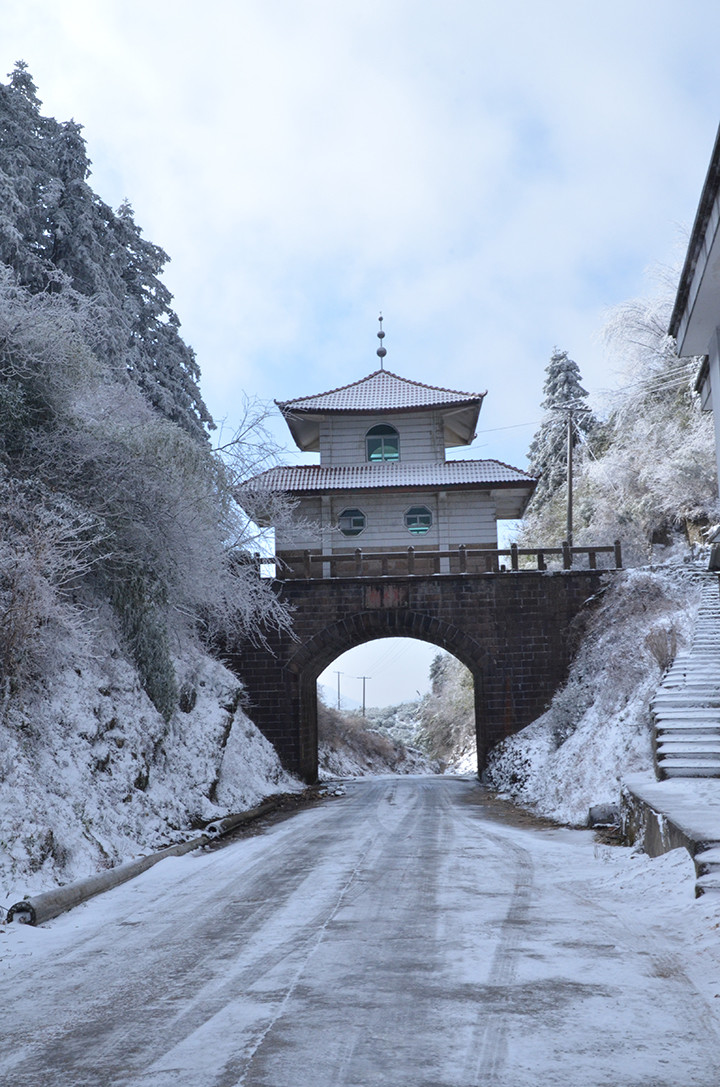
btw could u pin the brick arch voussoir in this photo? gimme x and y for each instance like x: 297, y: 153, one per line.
x: 317, y: 652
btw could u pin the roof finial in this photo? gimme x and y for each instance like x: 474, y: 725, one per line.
x: 381, y: 352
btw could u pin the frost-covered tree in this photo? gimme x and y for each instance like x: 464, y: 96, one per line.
x: 54, y: 230
x: 657, y: 473
x: 155, y: 510
x: 447, y: 713
x: 563, y: 394
x: 648, y: 476
x: 101, y: 418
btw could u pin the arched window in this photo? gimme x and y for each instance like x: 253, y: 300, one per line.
x: 418, y: 520
x: 382, y: 442
x: 351, y: 522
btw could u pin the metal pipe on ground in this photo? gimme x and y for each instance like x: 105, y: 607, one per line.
x: 49, y: 904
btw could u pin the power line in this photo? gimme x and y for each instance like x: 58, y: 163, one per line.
x: 513, y: 426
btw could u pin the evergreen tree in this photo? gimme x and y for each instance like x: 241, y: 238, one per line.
x: 55, y: 230
x: 109, y: 489
x: 548, y: 450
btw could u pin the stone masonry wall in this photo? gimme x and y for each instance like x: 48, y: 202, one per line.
x: 514, y: 631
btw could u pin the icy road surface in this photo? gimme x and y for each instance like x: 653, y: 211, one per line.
x: 397, y: 935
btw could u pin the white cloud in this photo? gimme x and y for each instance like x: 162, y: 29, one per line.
x: 492, y: 177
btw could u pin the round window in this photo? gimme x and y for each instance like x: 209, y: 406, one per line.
x: 418, y: 520
x: 351, y: 522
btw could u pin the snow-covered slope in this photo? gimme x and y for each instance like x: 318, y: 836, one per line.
x: 92, y: 774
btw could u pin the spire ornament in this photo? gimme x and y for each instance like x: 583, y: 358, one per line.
x: 381, y: 352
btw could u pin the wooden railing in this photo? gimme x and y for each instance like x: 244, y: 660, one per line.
x: 459, y: 560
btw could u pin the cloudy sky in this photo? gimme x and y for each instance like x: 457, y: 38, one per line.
x: 493, y: 177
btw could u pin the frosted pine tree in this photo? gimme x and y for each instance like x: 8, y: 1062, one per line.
x: 55, y: 231
x: 548, y: 450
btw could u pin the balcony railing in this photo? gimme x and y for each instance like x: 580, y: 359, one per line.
x: 458, y: 560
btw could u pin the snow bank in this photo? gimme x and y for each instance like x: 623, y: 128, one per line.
x: 92, y: 774
x: 598, y: 726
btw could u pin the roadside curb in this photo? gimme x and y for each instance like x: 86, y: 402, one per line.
x: 49, y: 904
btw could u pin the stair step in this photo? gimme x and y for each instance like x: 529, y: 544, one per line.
x: 709, y: 884
x: 688, y: 769
x: 709, y: 856
x: 692, y: 742
x: 684, y: 755
x: 687, y: 720
x: 676, y: 743
x: 685, y: 701
x: 705, y: 711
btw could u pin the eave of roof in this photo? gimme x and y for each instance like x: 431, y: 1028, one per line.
x: 313, y: 479
x: 380, y: 391
x: 383, y: 393
x: 708, y: 196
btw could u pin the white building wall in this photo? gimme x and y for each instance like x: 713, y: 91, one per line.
x: 342, y: 438
x: 459, y: 517
x: 471, y: 519
x: 714, y: 382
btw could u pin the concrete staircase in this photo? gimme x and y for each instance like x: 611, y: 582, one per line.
x: 686, y: 712
x: 686, y: 708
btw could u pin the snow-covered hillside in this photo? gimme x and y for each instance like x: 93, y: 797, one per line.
x: 92, y: 774
x: 354, y: 746
x: 598, y: 726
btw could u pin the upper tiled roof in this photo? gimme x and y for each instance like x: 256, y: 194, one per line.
x: 319, y: 478
x: 379, y: 391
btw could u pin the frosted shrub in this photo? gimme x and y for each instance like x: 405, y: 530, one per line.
x: 143, y: 624
x: 46, y: 547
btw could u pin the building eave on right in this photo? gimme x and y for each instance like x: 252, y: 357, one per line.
x: 695, y: 313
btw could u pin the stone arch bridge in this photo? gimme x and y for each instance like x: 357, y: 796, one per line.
x: 515, y: 631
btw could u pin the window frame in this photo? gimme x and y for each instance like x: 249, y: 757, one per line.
x: 417, y: 511
x: 383, y: 433
x: 352, y: 531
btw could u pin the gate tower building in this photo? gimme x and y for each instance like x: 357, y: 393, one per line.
x: 384, y: 483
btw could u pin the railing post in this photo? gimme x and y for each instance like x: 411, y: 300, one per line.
x: 358, y: 562
x: 618, y: 556
x: 592, y: 559
x: 384, y: 561
x: 411, y: 560
x: 567, y: 555
x: 306, y: 561
x: 462, y: 559
x: 514, y: 557
x: 541, y: 560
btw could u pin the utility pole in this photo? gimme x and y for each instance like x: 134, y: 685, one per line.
x: 338, y: 674
x: 569, y: 535
x: 363, y: 678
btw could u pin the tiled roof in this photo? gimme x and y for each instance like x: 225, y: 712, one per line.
x: 379, y: 391
x: 319, y: 478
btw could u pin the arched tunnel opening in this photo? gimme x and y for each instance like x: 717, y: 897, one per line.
x: 402, y: 700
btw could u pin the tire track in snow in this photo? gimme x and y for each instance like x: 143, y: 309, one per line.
x: 488, y: 1052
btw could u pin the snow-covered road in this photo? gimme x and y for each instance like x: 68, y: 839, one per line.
x: 397, y: 935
